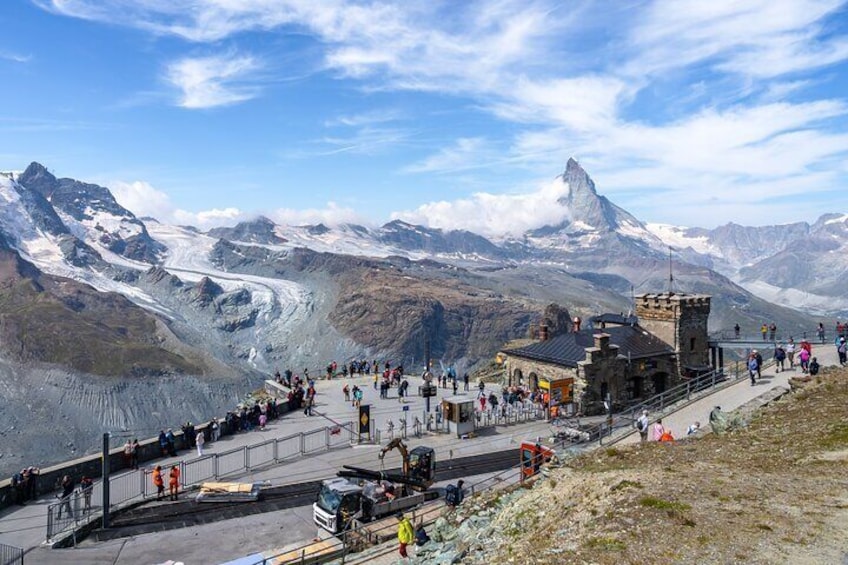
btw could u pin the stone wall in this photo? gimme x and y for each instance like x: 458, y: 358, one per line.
x: 680, y: 320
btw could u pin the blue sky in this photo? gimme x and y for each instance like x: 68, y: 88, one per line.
x: 451, y: 114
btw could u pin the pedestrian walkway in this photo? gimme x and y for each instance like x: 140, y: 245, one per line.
x: 732, y: 397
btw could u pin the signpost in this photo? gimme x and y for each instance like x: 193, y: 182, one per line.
x: 364, y: 421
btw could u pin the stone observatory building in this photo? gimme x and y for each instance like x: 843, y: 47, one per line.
x: 622, y: 359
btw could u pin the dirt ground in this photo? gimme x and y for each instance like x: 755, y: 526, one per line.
x: 773, y: 492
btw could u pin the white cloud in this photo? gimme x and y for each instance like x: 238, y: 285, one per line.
x: 495, y: 215
x: 332, y: 215
x: 142, y: 199
x: 212, y: 81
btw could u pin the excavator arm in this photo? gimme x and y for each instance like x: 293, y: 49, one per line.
x: 398, y: 444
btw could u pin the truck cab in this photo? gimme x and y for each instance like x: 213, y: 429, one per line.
x: 339, y: 501
x: 532, y: 456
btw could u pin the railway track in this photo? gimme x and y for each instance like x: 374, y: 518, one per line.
x: 155, y: 516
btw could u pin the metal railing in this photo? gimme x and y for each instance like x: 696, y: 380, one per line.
x: 138, y: 484
x: 11, y: 555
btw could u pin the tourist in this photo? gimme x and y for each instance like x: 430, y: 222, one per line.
x: 172, y: 442
x: 814, y: 367
x: 465, y: 381
x: 764, y: 331
x: 642, y: 425
x: 134, y: 454
x: 346, y: 391
x: 790, y: 352
x: 67, y: 486
x: 842, y: 351
x: 19, y: 485
x: 128, y: 453
x: 772, y: 331
x: 753, y: 368
x: 693, y: 428
x: 804, y: 358
x: 216, y: 429
x: 736, y: 330
x: 779, y: 358
x: 659, y: 430
x: 163, y: 442
x: 32, y: 482
x: 199, y: 440
x: 820, y: 332
x: 86, y: 488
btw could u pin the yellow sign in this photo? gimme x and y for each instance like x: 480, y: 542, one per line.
x: 364, y: 419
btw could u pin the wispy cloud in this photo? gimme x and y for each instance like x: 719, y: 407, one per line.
x: 465, y: 153
x: 218, y: 80
x: 366, y: 140
x: 366, y: 118
x: 15, y: 57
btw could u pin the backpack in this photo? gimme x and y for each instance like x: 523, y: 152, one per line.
x: 640, y: 425
x: 752, y: 365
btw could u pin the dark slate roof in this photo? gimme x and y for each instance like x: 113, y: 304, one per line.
x: 619, y: 319
x: 568, y: 349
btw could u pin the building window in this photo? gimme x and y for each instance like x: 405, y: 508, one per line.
x: 691, y: 344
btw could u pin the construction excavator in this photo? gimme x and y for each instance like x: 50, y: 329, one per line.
x: 363, y: 495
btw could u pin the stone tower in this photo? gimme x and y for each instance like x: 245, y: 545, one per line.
x: 680, y: 320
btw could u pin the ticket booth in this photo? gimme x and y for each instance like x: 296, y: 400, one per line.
x: 458, y: 413
x: 560, y: 396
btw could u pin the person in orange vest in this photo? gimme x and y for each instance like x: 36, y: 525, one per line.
x: 158, y: 482
x: 174, y: 482
x: 666, y: 435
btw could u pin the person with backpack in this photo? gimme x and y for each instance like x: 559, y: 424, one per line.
x: 19, y: 485
x: 779, y: 358
x: 642, y: 425
x: 454, y: 494
x: 842, y: 351
x: 86, y: 488
x: 753, y: 368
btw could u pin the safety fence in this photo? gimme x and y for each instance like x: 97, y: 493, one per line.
x: 11, y: 555
x: 516, y: 413
x: 137, y: 484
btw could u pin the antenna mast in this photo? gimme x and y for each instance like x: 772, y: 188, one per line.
x: 670, y: 273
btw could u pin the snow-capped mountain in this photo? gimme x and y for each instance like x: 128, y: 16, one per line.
x: 798, y: 265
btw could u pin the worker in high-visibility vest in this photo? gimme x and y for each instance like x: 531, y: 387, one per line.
x: 174, y: 482
x: 158, y: 482
x: 406, y: 534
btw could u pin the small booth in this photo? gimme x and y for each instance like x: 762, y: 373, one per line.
x: 560, y: 396
x: 458, y: 413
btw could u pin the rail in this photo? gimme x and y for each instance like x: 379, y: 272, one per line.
x: 130, y: 487
x: 658, y: 406
x: 779, y: 336
x: 11, y: 555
